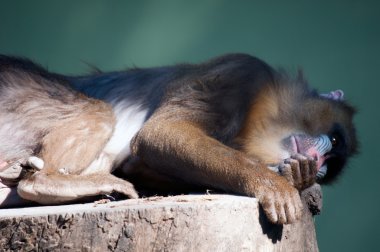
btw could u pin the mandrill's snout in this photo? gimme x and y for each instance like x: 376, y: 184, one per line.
x: 315, y: 147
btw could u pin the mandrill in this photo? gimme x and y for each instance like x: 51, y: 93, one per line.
x: 232, y: 123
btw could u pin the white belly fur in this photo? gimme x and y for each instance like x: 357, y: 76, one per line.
x: 129, y: 120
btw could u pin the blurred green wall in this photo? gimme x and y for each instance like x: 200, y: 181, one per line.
x: 336, y: 43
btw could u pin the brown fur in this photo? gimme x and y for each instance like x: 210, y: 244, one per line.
x: 214, y: 164
x: 57, y: 124
x: 178, y: 141
x: 219, y: 124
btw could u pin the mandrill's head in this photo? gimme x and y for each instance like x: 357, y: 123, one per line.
x: 287, y: 118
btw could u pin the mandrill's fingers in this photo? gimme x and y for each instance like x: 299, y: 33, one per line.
x: 299, y: 170
x: 281, y: 207
x: 60, y: 188
x: 308, y: 169
x: 295, y: 172
x: 285, y: 170
x: 312, y: 171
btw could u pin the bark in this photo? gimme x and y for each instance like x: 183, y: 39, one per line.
x: 178, y: 223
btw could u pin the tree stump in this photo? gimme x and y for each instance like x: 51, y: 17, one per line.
x: 178, y: 223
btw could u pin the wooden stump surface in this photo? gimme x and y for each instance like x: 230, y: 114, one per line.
x: 178, y: 223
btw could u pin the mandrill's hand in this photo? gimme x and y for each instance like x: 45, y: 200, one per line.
x: 281, y: 201
x: 300, y: 171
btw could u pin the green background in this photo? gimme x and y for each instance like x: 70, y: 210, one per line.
x: 335, y: 42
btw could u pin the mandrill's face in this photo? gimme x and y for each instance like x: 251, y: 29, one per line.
x: 318, y: 127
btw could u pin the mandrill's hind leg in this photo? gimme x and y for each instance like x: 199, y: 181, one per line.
x: 75, y: 163
x: 60, y: 188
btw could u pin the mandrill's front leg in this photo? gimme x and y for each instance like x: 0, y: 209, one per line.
x: 183, y: 150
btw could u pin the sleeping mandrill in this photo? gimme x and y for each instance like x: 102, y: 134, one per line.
x: 232, y: 123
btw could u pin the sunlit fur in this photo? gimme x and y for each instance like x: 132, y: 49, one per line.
x: 217, y: 124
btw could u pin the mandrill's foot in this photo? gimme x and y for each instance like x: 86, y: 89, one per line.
x: 59, y: 188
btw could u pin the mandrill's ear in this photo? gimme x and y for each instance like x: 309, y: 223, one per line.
x: 336, y: 95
